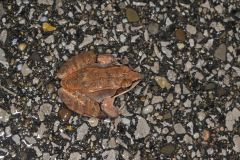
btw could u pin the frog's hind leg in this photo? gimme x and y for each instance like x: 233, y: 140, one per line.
x: 77, y: 62
x: 80, y: 103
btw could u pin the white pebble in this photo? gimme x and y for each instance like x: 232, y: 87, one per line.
x: 4, y: 116
x: 191, y: 29
x: 142, y: 129
x: 82, y: 131
x: 148, y: 109
x: 87, y: 40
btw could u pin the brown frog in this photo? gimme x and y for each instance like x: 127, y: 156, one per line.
x: 90, y: 84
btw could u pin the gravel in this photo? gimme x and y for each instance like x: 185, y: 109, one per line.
x: 142, y: 129
x: 186, y: 105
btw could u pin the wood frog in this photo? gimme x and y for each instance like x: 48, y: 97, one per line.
x: 90, y: 83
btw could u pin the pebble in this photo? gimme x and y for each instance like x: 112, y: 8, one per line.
x: 137, y: 156
x: 93, y: 122
x: 50, y: 87
x: 188, y: 66
x: 22, y: 46
x: 16, y: 139
x: 142, y: 129
x: 41, y: 131
x: 75, y: 156
x: 167, y: 51
x: 64, y: 114
x: 153, y: 28
x: 109, y: 155
x: 169, y: 98
x: 126, y: 121
x: 179, y: 129
x: 2, y: 10
x: 157, y: 99
x: 37, y: 151
x: 4, y: 116
x: 231, y: 118
x: 188, y: 139
x: 162, y: 82
x: 191, y: 29
x: 122, y: 38
x: 25, y: 70
x: 219, y: 9
x: 217, y: 26
x: 205, y: 135
x: 167, y: 149
x: 3, y: 60
x: 82, y: 131
x: 46, y: 156
x: 45, y: 2
x: 3, y: 35
x: 220, y: 52
x: 201, y: 115
x: 180, y: 46
x: 125, y: 155
x: 171, y: 75
x: 87, y: 40
x: 236, y: 141
x: 49, y: 39
x: 132, y: 15
x: 148, y: 109
x: 180, y: 34
x: 123, y: 49
x: 30, y: 140
x: 146, y: 35
x: 48, y: 27
x: 46, y: 108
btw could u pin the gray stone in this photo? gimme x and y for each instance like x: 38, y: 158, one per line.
x: 75, y: 156
x: 148, y: 109
x: 191, y: 29
x: 46, y: 156
x: 157, y: 99
x: 142, y: 129
x: 49, y: 39
x: 26, y: 70
x: 3, y: 60
x: 220, y: 52
x: 153, y: 28
x: 45, y: 2
x: 41, y: 130
x: 16, y: 139
x: 231, y: 118
x: 87, y: 40
x: 2, y: 11
x: 3, y: 36
x: 179, y: 129
x: 82, y: 131
x: 109, y: 155
x: 236, y: 141
x: 38, y: 151
x: 4, y: 116
x: 46, y: 108
x: 30, y: 140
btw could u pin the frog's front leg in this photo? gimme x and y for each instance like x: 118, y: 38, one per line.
x: 80, y: 103
x: 108, y: 107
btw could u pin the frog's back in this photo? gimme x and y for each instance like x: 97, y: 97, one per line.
x: 93, y: 79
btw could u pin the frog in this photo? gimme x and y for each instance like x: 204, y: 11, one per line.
x: 90, y: 83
